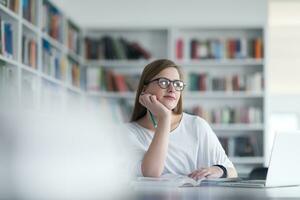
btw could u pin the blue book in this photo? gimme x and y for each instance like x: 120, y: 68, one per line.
x: 238, y: 48
x: 25, y: 8
x: 46, y: 46
x: 57, y: 67
x: 8, y: 39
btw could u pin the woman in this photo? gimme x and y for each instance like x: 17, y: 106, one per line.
x: 179, y: 143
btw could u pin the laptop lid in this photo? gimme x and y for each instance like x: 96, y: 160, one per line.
x: 285, y: 160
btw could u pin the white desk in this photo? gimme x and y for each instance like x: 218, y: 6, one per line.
x: 205, y: 192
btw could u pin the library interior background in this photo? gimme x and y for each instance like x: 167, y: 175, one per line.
x: 69, y: 71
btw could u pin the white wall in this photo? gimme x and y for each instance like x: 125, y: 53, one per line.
x: 161, y: 13
x: 284, y: 47
x: 283, y: 66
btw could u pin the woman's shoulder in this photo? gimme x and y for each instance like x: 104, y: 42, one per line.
x: 134, y: 128
x: 131, y: 126
x: 195, y: 120
x: 189, y: 118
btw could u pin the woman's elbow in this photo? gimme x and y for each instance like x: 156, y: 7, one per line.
x: 154, y: 173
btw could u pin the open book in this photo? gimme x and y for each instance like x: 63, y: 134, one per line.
x: 178, y: 181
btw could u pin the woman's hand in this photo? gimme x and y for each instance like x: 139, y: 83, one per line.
x: 209, y: 172
x: 151, y: 102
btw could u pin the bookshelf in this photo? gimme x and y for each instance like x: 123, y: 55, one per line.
x: 52, y: 60
x: 233, y: 67
x: 225, y: 75
x: 43, y: 51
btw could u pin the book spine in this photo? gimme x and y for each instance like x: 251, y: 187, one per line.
x: 229, y: 115
x: 179, y: 49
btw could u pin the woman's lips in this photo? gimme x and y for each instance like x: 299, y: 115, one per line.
x: 170, y: 97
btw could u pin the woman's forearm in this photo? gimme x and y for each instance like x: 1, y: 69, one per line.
x: 154, y: 159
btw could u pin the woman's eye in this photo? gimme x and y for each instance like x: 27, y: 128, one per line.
x: 164, y: 83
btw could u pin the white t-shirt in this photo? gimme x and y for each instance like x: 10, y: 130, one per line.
x: 192, y: 145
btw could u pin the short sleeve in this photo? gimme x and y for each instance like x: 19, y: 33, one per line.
x: 210, y: 151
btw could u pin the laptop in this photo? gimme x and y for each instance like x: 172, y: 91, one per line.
x: 283, y: 167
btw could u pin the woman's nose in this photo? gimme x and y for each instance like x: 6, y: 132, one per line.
x: 171, y: 88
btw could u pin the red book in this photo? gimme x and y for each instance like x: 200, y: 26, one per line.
x: 32, y: 54
x: 109, y: 77
x: 179, y: 49
x: 235, y: 83
x: 232, y: 49
x: 194, y: 49
x: 202, y: 82
x: 258, y: 48
x: 120, y: 83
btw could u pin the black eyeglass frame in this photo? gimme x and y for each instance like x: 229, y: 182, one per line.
x: 173, y: 82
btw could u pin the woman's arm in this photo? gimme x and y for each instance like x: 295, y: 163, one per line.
x: 212, y: 172
x: 212, y: 148
x: 154, y: 159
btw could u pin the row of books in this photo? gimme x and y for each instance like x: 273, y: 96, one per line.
x: 6, y: 38
x: 54, y: 64
x: 221, y: 48
x: 229, y: 115
x: 11, y: 4
x: 29, y: 8
x: 108, y: 80
x: 52, y: 22
x: 29, y: 51
x: 114, y: 48
x: 60, y: 67
x: 75, y: 72
x: 73, y: 38
x: 242, y: 146
x: 207, y: 82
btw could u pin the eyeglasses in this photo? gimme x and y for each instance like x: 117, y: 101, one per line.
x: 164, y: 83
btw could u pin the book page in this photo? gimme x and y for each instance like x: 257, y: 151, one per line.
x: 167, y: 180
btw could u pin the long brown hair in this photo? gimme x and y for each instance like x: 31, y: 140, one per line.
x: 151, y: 70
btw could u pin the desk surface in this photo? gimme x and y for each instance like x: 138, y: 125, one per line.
x: 214, y: 192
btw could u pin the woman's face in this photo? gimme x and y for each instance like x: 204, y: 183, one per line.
x: 169, y: 97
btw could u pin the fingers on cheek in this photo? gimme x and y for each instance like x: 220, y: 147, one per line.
x: 151, y: 98
x: 142, y: 101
